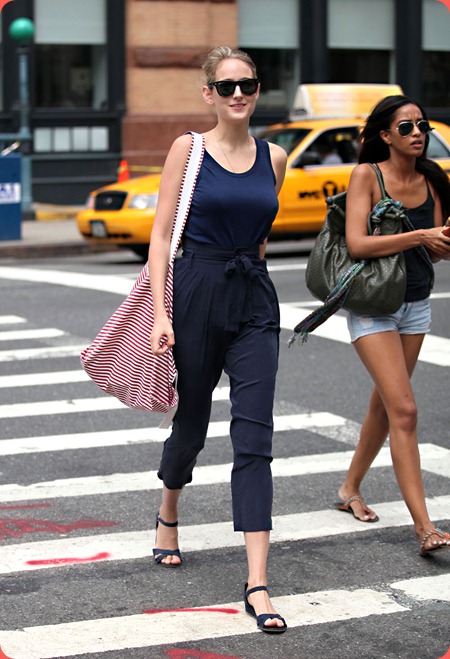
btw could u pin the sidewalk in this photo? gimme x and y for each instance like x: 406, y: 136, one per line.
x: 53, y: 233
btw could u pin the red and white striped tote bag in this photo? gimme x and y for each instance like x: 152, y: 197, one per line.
x: 120, y: 360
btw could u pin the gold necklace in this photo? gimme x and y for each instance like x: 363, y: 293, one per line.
x: 228, y: 161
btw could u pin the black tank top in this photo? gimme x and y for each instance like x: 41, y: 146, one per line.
x: 418, y: 284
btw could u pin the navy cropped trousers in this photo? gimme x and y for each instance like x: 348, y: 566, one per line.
x: 226, y: 319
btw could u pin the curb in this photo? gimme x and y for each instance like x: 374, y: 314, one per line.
x: 52, y: 250
x: 49, y: 212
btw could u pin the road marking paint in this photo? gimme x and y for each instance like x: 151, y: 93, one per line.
x: 172, y: 627
x: 426, y: 588
x: 3, y: 655
x: 42, y: 379
x: 206, y: 475
x: 49, y: 352
x: 50, y: 562
x: 77, y: 405
x: 13, y: 527
x: 286, y: 268
x: 440, y: 296
x: 324, y: 423
x: 42, y: 408
x: 435, y: 349
x: 11, y: 320
x: 26, y: 335
x: 105, y: 283
x: 314, y: 525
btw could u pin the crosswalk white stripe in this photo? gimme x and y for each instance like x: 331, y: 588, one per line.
x: 12, y: 320
x: 42, y: 379
x: 425, y: 588
x: 286, y: 268
x: 77, y: 405
x: 25, y: 557
x: 432, y: 457
x: 105, y: 283
x: 26, y: 335
x: 323, y: 422
x: 172, y: 627
x: 49, y: 352
x: 162, y: 627
x: 19, y: 410
x: 334, y: 328
x: 435, y: 349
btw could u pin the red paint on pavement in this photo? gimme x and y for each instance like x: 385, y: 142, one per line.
x: 2, y: 654
x: 65, y: 561
x: 447, y: 654
x: 447, y: 4
x: 206, y: 608
x: 195, y: 654
x: 16, y: 528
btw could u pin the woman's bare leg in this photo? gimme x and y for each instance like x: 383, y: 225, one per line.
x: 374, y: 431
x: 167, y: 537
x: 390, y: 360
x: 257, y: 546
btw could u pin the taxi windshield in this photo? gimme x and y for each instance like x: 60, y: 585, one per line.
x: 288, y: 138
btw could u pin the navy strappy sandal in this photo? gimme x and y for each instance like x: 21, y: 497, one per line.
x: 261, y: 619
x: 159, y: 554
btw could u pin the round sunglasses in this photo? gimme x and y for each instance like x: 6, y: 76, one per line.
x: 405, y: 128
x: 248, y: 86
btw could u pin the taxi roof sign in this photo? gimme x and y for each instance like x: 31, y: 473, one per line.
x: 339, y: 100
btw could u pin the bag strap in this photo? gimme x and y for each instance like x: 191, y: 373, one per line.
x: 380, y: 179
x: 420, y: 250
x: 188, y: 181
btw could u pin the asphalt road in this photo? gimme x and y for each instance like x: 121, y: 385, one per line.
x: 78, y: 494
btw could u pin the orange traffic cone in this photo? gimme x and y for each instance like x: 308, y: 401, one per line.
x: 123, y: 172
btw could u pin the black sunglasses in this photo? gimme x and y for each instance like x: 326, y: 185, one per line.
x: 248, y: 86
x: 405, y: 128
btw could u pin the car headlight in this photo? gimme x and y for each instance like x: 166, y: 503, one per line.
x: 142, y: 201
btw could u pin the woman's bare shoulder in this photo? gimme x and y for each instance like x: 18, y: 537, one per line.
x: 363, y: 173
x: 277, y: 153
x: 181, y: 145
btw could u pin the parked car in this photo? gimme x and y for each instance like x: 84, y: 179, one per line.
x: 321, y: 156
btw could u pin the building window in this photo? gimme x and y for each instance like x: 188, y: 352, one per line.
x: 71, y: 139
x: 369, y: 66
x: 435, y: 77
x: 276, y: 73
x: 269, y: 32
x: 70, y: 76
x: 71, y: 54
x: 435, y: 72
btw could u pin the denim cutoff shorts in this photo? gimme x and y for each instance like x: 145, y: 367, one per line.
x: 411, y: 318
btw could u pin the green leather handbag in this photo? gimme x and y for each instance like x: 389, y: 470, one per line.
x: 368, y: 286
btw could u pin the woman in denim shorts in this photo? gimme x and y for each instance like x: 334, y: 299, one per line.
x: 396, y: 137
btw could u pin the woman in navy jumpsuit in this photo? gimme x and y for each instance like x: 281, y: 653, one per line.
x: 226, y: 316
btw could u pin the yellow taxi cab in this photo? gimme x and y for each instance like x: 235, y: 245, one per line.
x: 322, y: 152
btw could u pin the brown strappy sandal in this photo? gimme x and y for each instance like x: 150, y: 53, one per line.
x: 346, y: 507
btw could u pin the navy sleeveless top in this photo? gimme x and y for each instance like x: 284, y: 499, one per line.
x: 233, y: 210
x: 418, y: 284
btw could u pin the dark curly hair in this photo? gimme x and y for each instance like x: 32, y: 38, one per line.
x: 374, y: 149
